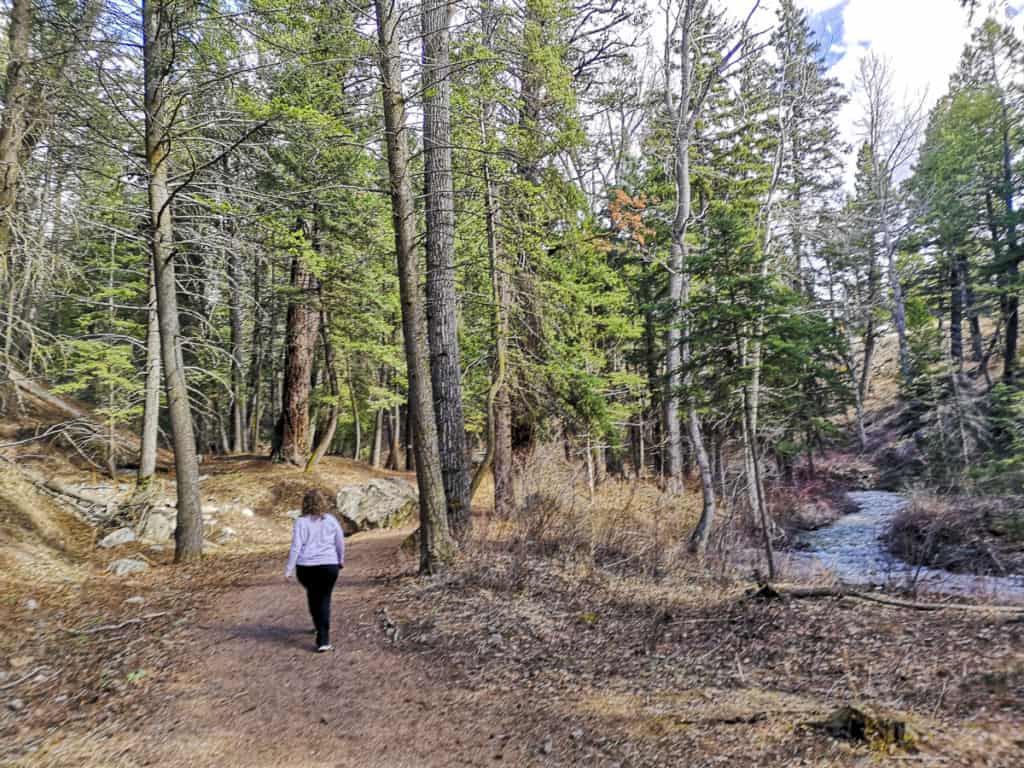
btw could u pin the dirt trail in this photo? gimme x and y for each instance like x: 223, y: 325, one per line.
x: 258, y: 696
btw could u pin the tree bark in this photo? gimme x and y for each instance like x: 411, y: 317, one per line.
x: 158, y: 61
x: 12, y: 126
x: 442, y: 321
x: 292, y: 435
x: 436, y: 545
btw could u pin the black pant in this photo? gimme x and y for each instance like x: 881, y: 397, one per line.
x: 319, y: 583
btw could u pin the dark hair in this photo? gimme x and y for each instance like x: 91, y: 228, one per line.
x: 315, y: 503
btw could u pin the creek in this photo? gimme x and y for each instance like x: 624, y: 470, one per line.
x: 852, y: 548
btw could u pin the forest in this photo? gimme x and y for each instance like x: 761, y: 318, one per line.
x: 637, y: 301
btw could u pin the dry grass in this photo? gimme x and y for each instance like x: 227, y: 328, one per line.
x: 37, y: 536
x: 624, y: 527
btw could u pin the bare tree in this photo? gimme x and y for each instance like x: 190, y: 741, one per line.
x: 891, y: 133
x: 691, y: 31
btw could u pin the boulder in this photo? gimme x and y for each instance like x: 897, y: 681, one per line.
x: 117, y: 538
x: 812, y: 514
x: 380, y: 503
x: 126, y: 566
x: 158, y: 527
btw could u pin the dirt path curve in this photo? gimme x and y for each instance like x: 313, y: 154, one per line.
x: 258, y: 696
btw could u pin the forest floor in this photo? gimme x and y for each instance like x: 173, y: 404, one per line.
x: 518, y: 656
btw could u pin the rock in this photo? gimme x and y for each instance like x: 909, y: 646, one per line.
x: 16, y: 705
x: 159, y: 527
x: 380, y: 503
x: 31, y: 605
x: 294, y: 514
x: 248, y: 513
x: 135, y: 600
x: 126, y: 566
x: 812, y: 514
x: 117, y: 538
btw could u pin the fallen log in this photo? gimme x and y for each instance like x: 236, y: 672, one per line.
x: 778, y: 592
x: 41, y: 393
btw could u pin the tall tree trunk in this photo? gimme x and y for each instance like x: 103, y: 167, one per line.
x: 12, y: 131
x: 253, y: 408
x: 158, y: 61
x: 357, y: 422
x: 762, y: 504
x: 956, y: 315
x: 326, y: 434
x: 678, y: 338
x: 971, y: 308
x: 291, y: 437
x: 396, y: 460
x: 151, y: 409
x: 442, y: 322
x: 1013, y: 255
x: 498, y: 458
x: 239, y: 427
x: 436, y: 545
x: 899, y: 314
x: 377, y: 457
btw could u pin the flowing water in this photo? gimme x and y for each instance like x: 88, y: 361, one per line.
x: 852, y: 549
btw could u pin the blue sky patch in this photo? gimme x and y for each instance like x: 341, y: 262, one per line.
x: 828, y: 29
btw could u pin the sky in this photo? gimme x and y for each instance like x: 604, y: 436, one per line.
x: 922, y: 38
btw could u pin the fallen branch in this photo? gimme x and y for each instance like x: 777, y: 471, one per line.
x: 112, y: 627
x: 21, y: 680
x: 770, y: 592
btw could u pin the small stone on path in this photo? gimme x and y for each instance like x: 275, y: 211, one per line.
x: 126, y: 566
x: 117, y: 538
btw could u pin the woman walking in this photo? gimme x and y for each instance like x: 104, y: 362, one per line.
x: 316, y: 556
